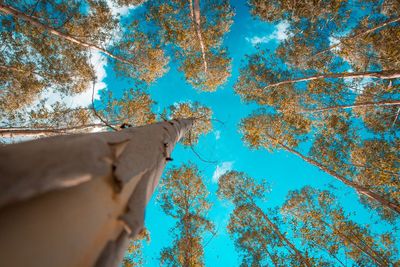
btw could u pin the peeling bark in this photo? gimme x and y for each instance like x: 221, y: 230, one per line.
x: 74, y: 200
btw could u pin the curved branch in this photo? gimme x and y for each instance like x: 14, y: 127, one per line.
x: 18, y: 14
x: 384, y: 75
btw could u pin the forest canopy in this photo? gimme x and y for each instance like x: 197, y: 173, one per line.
x: 293, y: 158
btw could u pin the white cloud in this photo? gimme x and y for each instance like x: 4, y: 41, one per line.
x: 279, y: 34
x: 83, y: 99
x: 217, y: 135
x: 221, y: 170
x: 119, y: 10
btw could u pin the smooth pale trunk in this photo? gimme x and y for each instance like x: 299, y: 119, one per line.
x: 76, y: 200
x: 32, y: 132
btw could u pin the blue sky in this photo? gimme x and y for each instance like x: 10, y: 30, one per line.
x: 283, y: 170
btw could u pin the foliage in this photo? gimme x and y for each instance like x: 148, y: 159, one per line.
x: 321, y: 222
x: 308, y: 107
x: 200, y: 114
x: 134, y: 254
x: 256, y: 233
x: 177, y: 26
x: 183, y: 196
x: 134, y: 108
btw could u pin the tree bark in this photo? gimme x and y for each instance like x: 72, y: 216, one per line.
x: 384, y: 75
x: 18, y: 14
x: 39, y: 132
x: 75, y: 200
x: 195, y: 14
x: 356, y: 105
x: 379, y: 26
x: 359, y: 188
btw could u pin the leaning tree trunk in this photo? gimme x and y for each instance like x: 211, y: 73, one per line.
x: 75, y: 200
x: 10, y: 132
x: 384, y: 75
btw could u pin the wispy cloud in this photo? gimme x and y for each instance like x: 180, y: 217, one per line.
x: 120, y: 10
x: 217, y: 135
x: 83, y: 99
x: 221, y: 169
x: 279, y: 34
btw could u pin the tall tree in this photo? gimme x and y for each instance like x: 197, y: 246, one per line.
x: 183, y: 196
x: 202, y: 125
x: 320, y: 221
x: 33, y: 58
x: 256, y: 234
x: 47, y: 45
x: 312, y: 108
x: 331, y: 155
x: 106, y: 179
x: 134, y: 255
x: 195, y: 29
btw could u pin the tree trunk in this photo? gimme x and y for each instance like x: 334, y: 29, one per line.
x: 18, y: 14
x: 195, y: 14
x: 380, y: 26
x: 40, y: 132
x: 356, y: 105
x: 282, y: 237
x: 361, y: 249
x: 276, y: 230
x: 359, y: 188
x: 75, y: 200
x: 384, y: 74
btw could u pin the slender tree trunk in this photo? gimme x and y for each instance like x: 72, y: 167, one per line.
x: 282, y: 237
x: 361, y: 249
x: 195, y: 14
x: 379, y: 26
x: 18, y: 14
x: 276, y: 230
x: 360, y: 189
x: 378, y: 256
x: 356, y: 105
x: 325, y: 249
x: 75, y: 200
x: 32, y: 132
x: 15, y: 69
x: 384, y: 74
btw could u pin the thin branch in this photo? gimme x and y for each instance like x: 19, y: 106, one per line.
x: 95, y: 111
x: 18, y: 14
x: 195, y: 152
x: 395, y: 119
x: 382, y: 25
x: 365, y: 104
x: 384, y: 74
